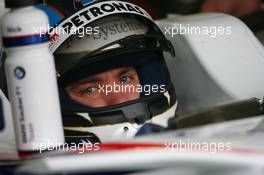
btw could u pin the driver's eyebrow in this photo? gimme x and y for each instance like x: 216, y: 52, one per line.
x: 124, y: 71
x: 91, y: 79
x: 97, y: 78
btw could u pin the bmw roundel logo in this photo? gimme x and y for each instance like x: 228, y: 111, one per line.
x: 19, y: 72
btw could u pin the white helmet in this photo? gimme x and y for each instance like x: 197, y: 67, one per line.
x: 123, y: 35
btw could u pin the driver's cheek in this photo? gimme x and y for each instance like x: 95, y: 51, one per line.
x: 115, y: 98
x: 112, y: 98
x: 92, y: 102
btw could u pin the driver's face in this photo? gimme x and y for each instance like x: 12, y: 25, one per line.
x: 91, y: 91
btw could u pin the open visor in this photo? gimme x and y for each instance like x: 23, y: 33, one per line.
x: 143, y: 45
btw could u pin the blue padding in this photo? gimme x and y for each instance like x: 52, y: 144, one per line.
x: 54, y: 17
x: 85, y: 2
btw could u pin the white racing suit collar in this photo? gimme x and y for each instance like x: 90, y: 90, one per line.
x: 126, y: 130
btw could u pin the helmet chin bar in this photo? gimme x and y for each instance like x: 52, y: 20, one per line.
x: 135, y: 113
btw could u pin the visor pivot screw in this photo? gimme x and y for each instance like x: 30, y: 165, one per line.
x: 126, y: 129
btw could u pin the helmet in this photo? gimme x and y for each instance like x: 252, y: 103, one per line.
x: 91, y: 39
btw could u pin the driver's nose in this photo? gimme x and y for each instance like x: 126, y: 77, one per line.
x: 114, y: 98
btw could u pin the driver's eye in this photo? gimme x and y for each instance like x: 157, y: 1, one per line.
x: 89, y: 90
x: 124, y: 79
